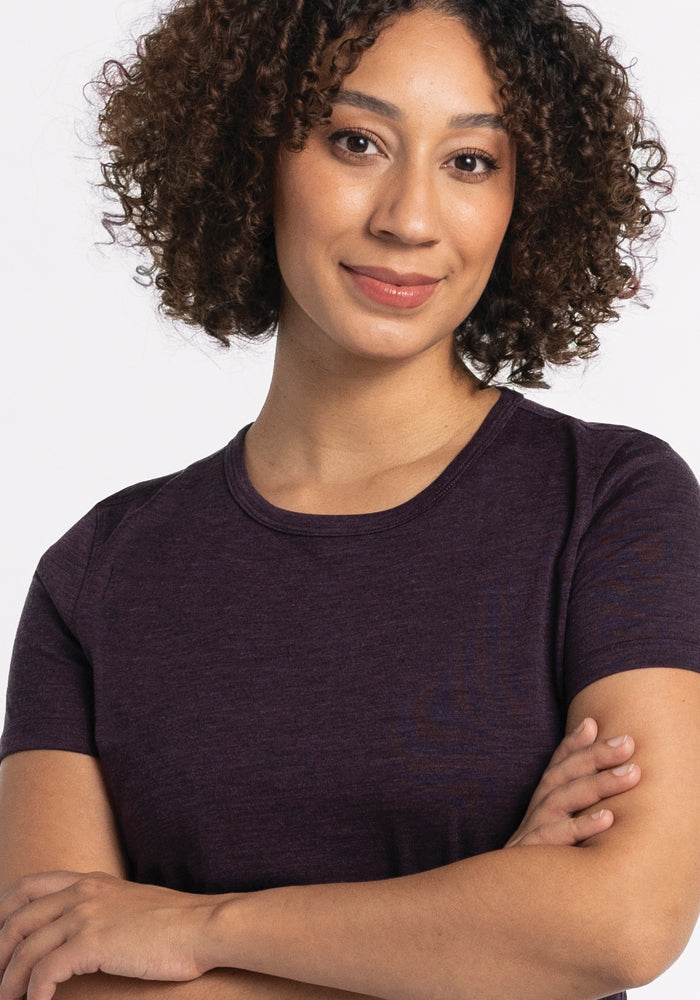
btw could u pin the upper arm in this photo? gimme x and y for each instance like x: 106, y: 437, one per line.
x: 653, y: 847
x: 55, y: 814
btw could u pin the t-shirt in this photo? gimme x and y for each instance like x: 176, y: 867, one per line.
x: 283, y: 698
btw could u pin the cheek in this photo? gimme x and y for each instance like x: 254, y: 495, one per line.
x: 311, y: 214
x: 310, y: 205
x: 479, y: 227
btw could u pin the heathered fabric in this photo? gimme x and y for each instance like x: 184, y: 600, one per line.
x: 281, y: 698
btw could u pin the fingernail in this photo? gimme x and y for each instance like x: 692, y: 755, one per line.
x: 616, y: 741
x: 624, y: 769
x: 579, y: 728
x: 599, y: 814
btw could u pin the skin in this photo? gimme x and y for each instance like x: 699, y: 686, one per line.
x: 46, y: 790
x: 403, y: 195
x: 365, y: 408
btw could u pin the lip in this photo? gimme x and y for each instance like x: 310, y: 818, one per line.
x: 389, y: 277
x: 389, y: 288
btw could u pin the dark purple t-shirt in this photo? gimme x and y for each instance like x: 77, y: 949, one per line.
x: 281, y: 698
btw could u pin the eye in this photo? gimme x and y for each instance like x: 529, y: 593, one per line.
x: 354, y: 143
x: 474, y: 164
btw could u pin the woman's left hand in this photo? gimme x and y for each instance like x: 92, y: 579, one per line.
x: 583, y: 772
x: 61, y: 924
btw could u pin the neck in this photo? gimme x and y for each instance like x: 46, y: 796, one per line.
x: 333, y: 420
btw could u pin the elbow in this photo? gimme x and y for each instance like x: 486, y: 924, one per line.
x: 646, y: 913
x: 638, y: 967
x: 647, y: 946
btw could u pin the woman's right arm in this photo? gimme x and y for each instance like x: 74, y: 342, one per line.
x: 55, y: 815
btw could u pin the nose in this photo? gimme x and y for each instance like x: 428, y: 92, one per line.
x: 406, y: 207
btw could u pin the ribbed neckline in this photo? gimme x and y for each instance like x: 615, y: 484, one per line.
x: 298, y: 523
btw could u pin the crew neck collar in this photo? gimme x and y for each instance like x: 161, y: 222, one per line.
x: 296, y: 522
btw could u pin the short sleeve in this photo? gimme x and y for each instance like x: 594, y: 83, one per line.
x: 50, y: 701
x: 635, y: 592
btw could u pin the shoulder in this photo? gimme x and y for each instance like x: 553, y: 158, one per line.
x: 133, y: 510
x: 602, y: 458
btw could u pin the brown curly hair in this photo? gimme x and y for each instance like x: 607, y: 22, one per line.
x: 194, y: 120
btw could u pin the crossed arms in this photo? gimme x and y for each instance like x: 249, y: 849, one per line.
x: 540, y: 922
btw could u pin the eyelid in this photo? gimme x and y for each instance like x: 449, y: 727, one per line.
x: 491, y: 162
x: 345, y: 132
x: 480, y: 154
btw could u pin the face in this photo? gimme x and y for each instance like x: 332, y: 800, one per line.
x: 389, y: 222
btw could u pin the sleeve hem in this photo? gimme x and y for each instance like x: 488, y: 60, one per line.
x: 635, y: 656
x: 18, y: 742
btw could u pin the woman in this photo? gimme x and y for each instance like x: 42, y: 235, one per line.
x: 374, y: 615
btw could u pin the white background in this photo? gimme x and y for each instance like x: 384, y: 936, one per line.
x: 98, y: 393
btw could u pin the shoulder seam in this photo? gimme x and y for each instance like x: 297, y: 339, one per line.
x: 98, y: 509
x: 603, y: 471
x: 88, y: 562
x: 74, y: 607
x: 119, y: 497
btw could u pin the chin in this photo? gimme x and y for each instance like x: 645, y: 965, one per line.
x: 390, y: 346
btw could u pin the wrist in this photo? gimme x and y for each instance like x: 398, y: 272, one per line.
x: 218, y: 930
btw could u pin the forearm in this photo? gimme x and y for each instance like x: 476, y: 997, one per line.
x: 529, y: 924
x: 219, y: 984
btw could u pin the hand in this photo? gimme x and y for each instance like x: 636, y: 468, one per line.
x: 61, y: 924
x: 578, y: 777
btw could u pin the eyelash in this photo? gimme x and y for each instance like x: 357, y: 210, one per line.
x: 479, y: 154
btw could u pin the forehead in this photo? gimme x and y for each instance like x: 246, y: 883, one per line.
x: 427, y: 58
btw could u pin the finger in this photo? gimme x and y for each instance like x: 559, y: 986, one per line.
x: 60, y: 965
x: 592, y: 789
x: 575, y: 743
x: 570, y: 831
x: 599, y: 756
x: 584, y: 734
x: 27, y: 921
x: 33, y: 887
x: 26, y: 956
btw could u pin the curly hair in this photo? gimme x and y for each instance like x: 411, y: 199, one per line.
x: 194, y: 120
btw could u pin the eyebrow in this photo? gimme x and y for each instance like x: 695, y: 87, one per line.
x: 356, y: 99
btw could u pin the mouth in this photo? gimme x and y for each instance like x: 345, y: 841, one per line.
x: 389, y: 277
x: 387, y: 287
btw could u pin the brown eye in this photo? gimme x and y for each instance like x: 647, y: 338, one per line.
x: 357, y: 143
x: 468, y: 163
x: 474, y: 164
x: 354, y: 143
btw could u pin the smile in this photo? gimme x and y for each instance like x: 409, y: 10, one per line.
x: 407, y: 291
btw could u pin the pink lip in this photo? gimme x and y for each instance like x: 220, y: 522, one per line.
x: 389, y: 277
x: 389, y: 288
